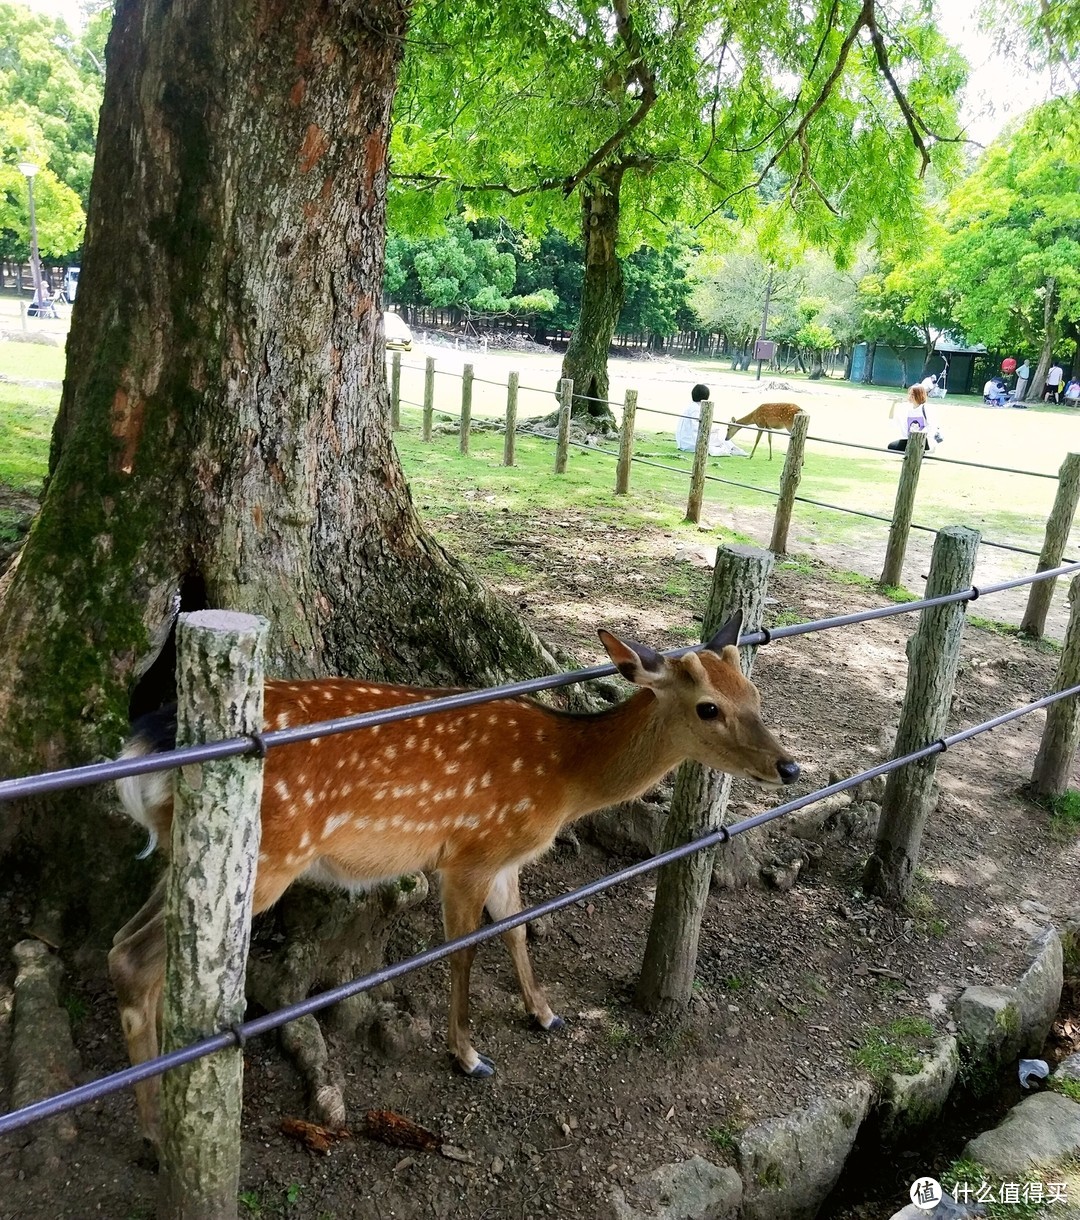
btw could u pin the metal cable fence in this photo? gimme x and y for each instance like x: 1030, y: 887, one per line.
x: 261, y: 742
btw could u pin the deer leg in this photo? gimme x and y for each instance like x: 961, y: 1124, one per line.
x: 504, y: 898
x: 756, y: 443
x: 463, y: 904
x: 770, y: 446
x: 137, y: 970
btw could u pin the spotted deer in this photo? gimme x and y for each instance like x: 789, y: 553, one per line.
x: 472, y: 794
x: 774, y: 415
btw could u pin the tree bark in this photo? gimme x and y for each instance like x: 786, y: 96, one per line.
x: 586, y: 357
x: 224, y: 431
x: 933, y: 658
x: 1050, y: 336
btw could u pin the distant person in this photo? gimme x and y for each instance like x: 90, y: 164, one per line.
x: 994, y: 392
x: 1023, y: 376
x: 1052, y: 389
x: 929, y: 383
x: 916, y: 420
x: 686, y: 431
x: 1072, y: 393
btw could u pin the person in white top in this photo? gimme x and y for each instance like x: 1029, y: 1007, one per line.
x: 1072, y: 393
x: 1052, y: 389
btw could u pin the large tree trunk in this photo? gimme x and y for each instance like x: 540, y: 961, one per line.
x: 586, y: 357
x: 224, y: 436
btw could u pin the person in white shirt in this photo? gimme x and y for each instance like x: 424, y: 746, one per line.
x: 1052, y: 389
x: 1072, y: 393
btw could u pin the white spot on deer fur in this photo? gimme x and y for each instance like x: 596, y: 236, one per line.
x: 485, y: 780
x: 263, y: 857
x: 327, y: 695
x: 282, y: 721
x: 396, y: 820
x: 540, y: 769
x: 438, y: 752
x: 334, y: 823
x: 305, y: 839
x: 410, y: 741
x: 390, y: 752
x: 309, y: 799
x: 516, y: 765
x: 282, y: 790
x: 452, y: 768
x: 523, y: 806
x: 401, y: 790
x: 469, y: 788
x: 467, y: 821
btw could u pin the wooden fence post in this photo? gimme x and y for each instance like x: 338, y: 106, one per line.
x: 789, y: 483
x: 511, y: 418
x: 466, y: 407
x: 395, y: 391
x: 562, y: 444
x: 666, y: 981
x: 1061, y: 736
x: 215, y: 847
x: 626, y: 444
x: 902, y: 512
x: 1058, y: 525
x: 429, y: 396
x: 701, y: 457
x: 933, y: 657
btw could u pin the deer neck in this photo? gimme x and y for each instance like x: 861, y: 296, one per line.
x: 618, y: 754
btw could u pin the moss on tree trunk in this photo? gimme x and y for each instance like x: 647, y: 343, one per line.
x: 223, y: 437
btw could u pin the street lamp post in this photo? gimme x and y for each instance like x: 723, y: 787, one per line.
x: 29, y: 169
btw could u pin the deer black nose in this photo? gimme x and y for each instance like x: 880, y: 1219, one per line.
x: 789, y: 770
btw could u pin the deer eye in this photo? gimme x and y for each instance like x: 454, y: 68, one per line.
x: 708, y: 711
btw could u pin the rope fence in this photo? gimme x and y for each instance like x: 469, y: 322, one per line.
x: 260, y: 743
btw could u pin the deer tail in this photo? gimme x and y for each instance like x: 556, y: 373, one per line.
x: 147, y: 799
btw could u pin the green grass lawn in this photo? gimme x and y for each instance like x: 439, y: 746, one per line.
x: 1005, y: 507
x: 26, y: 420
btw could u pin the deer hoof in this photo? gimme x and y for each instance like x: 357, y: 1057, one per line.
x: 484, y: 1068
x: 553, y: 1026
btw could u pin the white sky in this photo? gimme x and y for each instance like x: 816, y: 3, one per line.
x: 998, y: 89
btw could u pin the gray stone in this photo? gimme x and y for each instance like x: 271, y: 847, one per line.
x: 1068, y: 1068
x: 43, y: 1058
x: 687, y: 1190
x: 1039, y: 992
x: 910, y: 1102
x: 789, y: 1165
x: 988, y: 1024
x: 1041, y: 1130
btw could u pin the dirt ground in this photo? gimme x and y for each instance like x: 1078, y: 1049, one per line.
x: 790, y: 983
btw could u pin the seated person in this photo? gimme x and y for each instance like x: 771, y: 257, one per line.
x: 994, y: 392
x: 916, y: 420
x: 686, y: 430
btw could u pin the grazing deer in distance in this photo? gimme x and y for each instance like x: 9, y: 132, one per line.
x: 471, y: 793
x: 769, y: 415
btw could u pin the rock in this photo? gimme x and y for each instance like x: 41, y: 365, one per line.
x: 43, y: 1058
x: 789, y: 1165
x: 633, y: 828
x: 1068, y: 1068
x: 910, y: 1102
x: 1038, y: 992
x: 687, y: 1190
x: 988, y: 1024
x: 1041, y: 1130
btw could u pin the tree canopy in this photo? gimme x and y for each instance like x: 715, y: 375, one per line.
x: 50, y: 95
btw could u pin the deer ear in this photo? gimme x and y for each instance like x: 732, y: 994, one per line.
x: 727, y: 635
x: 638, y: 663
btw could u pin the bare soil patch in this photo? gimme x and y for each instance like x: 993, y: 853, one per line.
x: 790, y: 982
